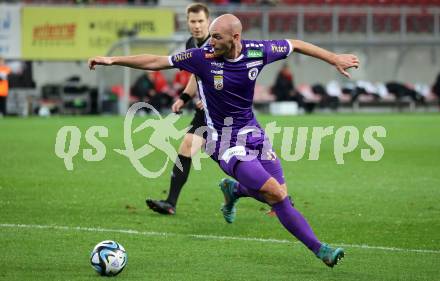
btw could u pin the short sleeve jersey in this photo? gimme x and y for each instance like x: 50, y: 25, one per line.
x: 226, y: 86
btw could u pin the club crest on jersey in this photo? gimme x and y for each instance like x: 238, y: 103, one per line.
x: 253, y: 73
x: 218, y: 82
x: 209, y: 56
x: 255, y: 53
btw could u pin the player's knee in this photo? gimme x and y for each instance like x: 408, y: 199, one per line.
x: 273, y: 192
x: 284, y: 187
x: 279, y: 195
x: 185, y: 146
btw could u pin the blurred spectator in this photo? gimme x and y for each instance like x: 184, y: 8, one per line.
x: 4, y: 85
x: 21, y: 74
x: 160, y: 82
x: 308, y: 99
x: 152, y: 87
x: 161, y: 98
x: 180, y: 81
x: 284, y: 87
x: 143, y: 88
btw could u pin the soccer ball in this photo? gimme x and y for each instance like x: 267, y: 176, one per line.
x: 108, y: 258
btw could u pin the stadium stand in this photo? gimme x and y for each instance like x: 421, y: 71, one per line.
x: 320, y: 19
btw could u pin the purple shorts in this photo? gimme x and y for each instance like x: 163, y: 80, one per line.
x: 253, y: 173
x: 251, y: 164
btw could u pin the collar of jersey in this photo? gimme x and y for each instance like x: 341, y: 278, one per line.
x: 236, y: 59
x: 239, y: 57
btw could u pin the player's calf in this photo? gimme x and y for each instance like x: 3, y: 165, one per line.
x: 271, y: 212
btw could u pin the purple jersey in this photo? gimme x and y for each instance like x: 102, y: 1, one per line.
x: 226, y: 86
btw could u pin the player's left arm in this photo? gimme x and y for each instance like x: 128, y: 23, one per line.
x: 191, y: 87
x: 188, y: 93
x: 342, y: 62
x: 145, y: 62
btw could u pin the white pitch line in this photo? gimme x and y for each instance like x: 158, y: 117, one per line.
x: 204, y: 236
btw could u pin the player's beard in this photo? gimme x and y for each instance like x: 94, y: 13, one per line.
x: 219, y: 52
x: 224, y: 50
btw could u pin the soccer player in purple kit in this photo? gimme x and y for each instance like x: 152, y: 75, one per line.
x: 226, y: 72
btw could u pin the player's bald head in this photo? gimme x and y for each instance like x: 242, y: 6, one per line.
x: 227, y: 23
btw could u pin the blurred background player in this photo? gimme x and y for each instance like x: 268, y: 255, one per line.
x: 198, y: 24
x: 4, y: 85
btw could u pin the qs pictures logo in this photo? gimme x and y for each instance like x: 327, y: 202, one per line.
x: 163, y: 131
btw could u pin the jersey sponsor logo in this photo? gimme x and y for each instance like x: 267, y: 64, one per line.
x: 217, y: 64
x: 218, y: 82
x: 217, y: 72
x: 254, y: 63
x: 182, y: 56
x: 253, y: 73
x: 233, y: 151
x: 278, y: 49
x: 255, y: 53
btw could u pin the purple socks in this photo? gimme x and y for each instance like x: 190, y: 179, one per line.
x: 296, y: 224
x: 252, y: 176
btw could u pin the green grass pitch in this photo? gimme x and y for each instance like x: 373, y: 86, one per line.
x: 386, y: 214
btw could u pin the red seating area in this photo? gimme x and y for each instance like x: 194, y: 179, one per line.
x: 348, y: 2
x: 285, y: 2
x: 250, y: 19
x: 362, y: 2
x: 347, y: 22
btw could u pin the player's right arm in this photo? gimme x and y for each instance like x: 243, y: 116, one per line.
x: 145, y: 62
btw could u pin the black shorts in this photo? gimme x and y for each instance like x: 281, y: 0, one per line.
x: 198, y: 121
